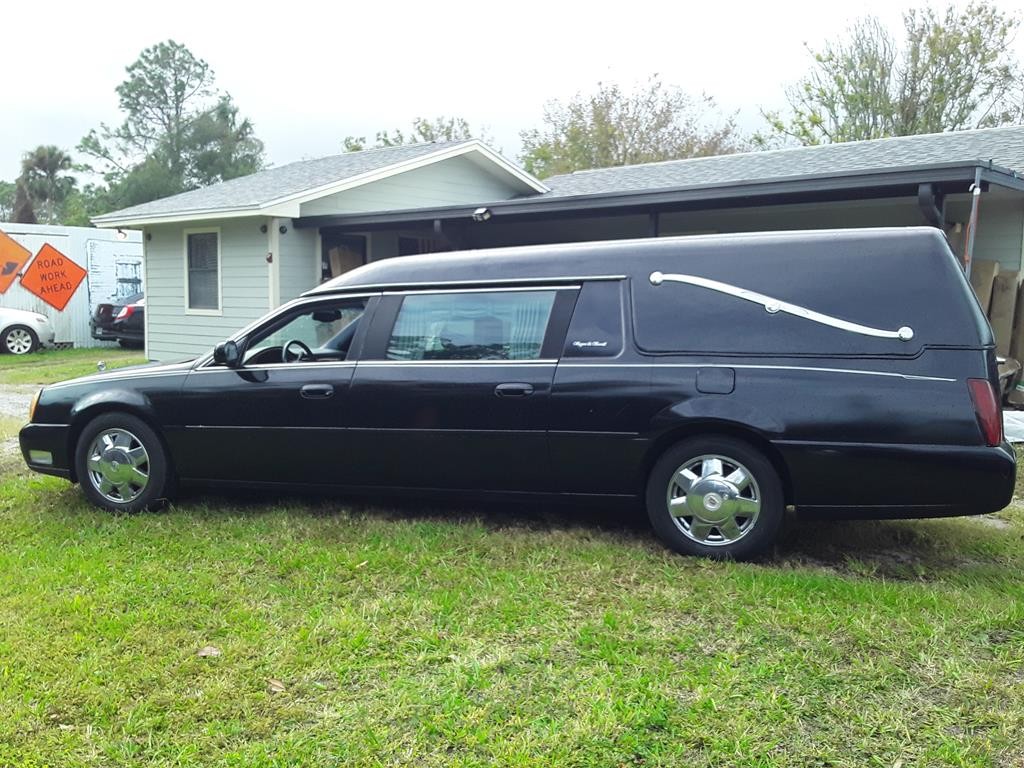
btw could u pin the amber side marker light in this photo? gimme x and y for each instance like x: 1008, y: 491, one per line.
x: 33, y: 404
x: 986, y: 408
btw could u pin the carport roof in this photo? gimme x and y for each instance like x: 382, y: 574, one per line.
x: 1002, y: 147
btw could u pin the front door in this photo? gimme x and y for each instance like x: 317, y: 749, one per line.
x: 452, y: 388
x: 281, y: 416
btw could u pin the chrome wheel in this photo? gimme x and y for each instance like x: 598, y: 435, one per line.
x: 714, y: 500
x: 118, y: 465
x: 19, y: 341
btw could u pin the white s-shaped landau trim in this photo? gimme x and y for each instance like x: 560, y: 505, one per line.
x: 773, y: 305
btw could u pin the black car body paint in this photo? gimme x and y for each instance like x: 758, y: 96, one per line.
x: 857, y: 418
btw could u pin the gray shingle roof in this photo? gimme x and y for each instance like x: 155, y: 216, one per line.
x: 1004, y: 146
x: 273, y: 183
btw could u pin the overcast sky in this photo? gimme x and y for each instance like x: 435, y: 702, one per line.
x: 308, y: 74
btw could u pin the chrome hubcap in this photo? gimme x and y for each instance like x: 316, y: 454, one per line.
x: 118, y: 465
x: 19, y: 341
x: 714, y: 500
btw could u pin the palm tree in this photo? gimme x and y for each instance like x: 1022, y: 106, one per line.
x: 44, y: 176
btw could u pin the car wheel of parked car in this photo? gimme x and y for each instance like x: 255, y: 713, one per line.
x: 716, y: 497
x: 19, y: 340
x: 121, y: 463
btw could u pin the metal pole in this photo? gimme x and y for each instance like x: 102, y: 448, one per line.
x: 972, y: 223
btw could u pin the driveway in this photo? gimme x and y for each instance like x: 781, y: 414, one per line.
x: 14, y: 402
x: 15, y: 399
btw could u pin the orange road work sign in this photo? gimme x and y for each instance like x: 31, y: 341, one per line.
x: 13, y: 256
x: 53, y: 277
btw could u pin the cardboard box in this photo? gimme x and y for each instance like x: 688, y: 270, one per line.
x: 1002, y: 308
x: 983, y: 275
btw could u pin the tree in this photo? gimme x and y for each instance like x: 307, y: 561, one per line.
x: 6, y: 200
x: 950, y: 72
x: 423, y: 130
x: 23, y: 212
x: 220, y: 146
x: 179, y: 131
x: 612, y: 126
x: 45, y: 179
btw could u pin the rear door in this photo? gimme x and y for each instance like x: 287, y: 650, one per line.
x: 453, y: 386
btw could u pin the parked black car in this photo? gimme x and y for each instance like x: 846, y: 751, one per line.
x: 718, y: 378
x: 121, y: 319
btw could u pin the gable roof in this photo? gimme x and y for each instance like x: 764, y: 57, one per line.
x: 1002, y: 146
x: 279, y: 191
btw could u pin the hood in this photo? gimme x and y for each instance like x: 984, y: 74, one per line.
x: 128, y: 372
x: 22, y: 315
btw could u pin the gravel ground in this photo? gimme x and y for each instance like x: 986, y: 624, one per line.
x: 15, y: 399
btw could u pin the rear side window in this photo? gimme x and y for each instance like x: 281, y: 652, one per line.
x: 505, y: 325
x: 596, y: 327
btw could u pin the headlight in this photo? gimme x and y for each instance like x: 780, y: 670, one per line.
x: 32, y: 406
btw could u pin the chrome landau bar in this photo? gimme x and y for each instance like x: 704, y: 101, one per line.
x: 773, y: 305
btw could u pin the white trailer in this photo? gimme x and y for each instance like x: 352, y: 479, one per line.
x: 112, y: 260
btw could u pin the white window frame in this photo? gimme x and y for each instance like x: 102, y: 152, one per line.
x: 219, y: 311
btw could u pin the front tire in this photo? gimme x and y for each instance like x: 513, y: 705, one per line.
x: 20, y: 340
x: 121, y: 464
x: 715, y: 497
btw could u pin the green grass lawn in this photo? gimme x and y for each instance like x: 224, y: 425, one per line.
x: 50, y: 365
x: 352, y: 634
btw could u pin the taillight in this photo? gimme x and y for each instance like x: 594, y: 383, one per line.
x: 126, y: 311
x: 986, y: 408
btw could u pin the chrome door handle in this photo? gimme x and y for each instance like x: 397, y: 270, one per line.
x: 317, y: 391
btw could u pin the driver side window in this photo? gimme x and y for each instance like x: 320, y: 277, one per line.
x: 321, y: 332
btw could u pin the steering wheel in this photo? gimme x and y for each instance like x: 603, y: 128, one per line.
x: 303, y: 352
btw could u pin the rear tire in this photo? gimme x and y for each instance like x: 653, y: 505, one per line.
x: 121, y: 464
x: 715, y: 497
x: 20, y: 340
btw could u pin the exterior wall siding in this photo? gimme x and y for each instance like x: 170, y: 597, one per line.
x: 173, y: 333
x: 451, y: 182
x: 300, y: 263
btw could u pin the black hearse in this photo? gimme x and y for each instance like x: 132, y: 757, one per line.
x: 719, y: 378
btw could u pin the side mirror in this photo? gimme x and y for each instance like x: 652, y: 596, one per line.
x: 227, y: 353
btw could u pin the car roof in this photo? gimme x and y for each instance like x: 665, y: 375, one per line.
x: 607, y: 259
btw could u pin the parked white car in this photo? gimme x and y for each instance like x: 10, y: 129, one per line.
x: 23, y: 332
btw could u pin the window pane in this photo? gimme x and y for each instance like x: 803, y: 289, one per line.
x: 202, y: 271
x: 326, y: 330
x: 471, y: 326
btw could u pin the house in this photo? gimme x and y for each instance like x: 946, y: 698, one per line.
x: 219, y: 257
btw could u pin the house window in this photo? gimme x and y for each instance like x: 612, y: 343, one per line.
x: 202, y: 273
x: 471, y: 326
